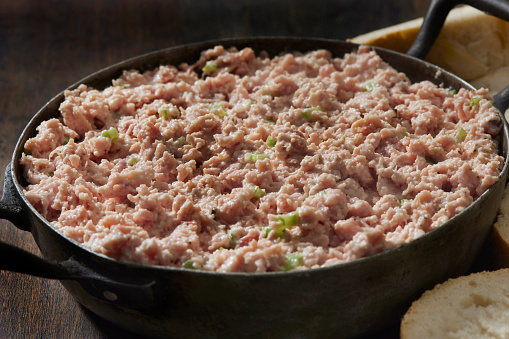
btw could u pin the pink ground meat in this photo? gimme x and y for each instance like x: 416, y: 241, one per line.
x: 243, y: 163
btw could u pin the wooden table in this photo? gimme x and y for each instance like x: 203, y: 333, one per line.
x: 45, y: 46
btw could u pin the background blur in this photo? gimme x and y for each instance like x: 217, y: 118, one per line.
x: 47, y: 45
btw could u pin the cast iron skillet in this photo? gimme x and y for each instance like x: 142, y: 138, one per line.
x: 345, y: 300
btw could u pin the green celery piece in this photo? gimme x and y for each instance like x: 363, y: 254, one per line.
x: 258, y: 192
x: 189, y: 264
x: 292, y: 261
x: 307, y: 113
x: 253, y: 157
x: 218, y: 110
x: 133, y: 160
x: 369, y: 86
x: 112, y: 134
x: 288, y: 220
x: 179, y: 142
x: 271, y: 142
x: 266, y: 231
x: 461, y: 134
x: 210, y: 67
x: 474, y: 101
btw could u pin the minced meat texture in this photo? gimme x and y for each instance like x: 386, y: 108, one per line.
x: 245, y: 163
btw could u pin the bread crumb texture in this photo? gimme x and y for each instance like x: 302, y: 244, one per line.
x: 473, y: 306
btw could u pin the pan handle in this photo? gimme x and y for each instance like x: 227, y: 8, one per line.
x: 10, y: 205
x: 435, y: 19
x: 129, y: 295
x: 137, y: 296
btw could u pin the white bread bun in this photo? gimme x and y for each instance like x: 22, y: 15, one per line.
x: 472, y: 45
x: 473, y: 306
x: 500, y: 234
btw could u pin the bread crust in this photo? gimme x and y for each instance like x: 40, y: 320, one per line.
x: 500, y: 234
x: 473, y: 45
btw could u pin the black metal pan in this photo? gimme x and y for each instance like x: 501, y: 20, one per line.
x: 346, y: 300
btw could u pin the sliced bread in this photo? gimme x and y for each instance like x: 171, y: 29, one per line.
x: 473, y: 306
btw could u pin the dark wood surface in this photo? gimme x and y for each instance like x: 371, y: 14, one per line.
x: 47, y: 45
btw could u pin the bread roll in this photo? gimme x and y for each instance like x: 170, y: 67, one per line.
x: 472, y: 45
x: 500, y: 234
x: 473, y: 306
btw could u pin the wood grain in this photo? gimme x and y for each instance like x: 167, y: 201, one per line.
x: 45, y: 46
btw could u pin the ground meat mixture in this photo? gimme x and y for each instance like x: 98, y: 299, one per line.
x: 245, y: 163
